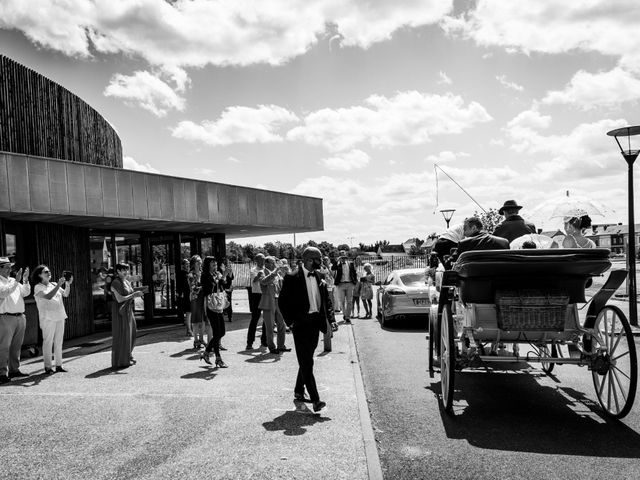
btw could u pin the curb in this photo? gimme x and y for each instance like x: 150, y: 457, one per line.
x: 374, y: 469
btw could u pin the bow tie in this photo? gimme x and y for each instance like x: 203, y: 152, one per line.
x: 311, y: 274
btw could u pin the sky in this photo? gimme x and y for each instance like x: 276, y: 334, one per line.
x: 354, y: 101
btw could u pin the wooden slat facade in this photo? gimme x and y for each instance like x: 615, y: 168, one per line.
x: 51, y: 190
x: 39, y: 117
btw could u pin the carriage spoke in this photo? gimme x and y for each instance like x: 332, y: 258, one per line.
x: 615, y: 376
x: 601, y: 388
x: 616, y: 368
x: 613, y: 328
x: 605, y: 321
x: 615, y: 395
x: 613, y: 349
x: 621, y: 355
x: 608, y: 379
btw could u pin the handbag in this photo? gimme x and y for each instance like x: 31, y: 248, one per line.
x: 217, y: 301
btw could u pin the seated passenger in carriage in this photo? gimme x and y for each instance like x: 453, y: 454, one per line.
x: 477, y: 239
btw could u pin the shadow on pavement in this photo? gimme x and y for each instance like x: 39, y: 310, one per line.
x: 513, y: 412
x: 294, y: 422
x: 107, y: 371
x: 206, y: 373
x: 407, y: 325
x: 32, y: 380
x: 264, y: 358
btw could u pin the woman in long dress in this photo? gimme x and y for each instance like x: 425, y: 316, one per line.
x: 366, y: 289
x: 196, y: 301
x: 123, y: 323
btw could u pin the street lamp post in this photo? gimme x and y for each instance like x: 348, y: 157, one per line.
x: 447, y: 214
x: 630, y: 157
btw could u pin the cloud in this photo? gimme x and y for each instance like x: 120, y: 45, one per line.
x: 346, y: 161
x: 444, y: 79
x: 584, y: 152
x: 130, y: 164
x: 507, y: 84
x: 446, y: 157
x: 238, y: 124
x: 408, y: 118
x: 591, y: 90
x: 554, y: 26
x: 147, y: 91
x: 194, y: 33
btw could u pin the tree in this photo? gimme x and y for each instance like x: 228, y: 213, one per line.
x: 415, y: 250
x: 271, y: 249
x: 234, y: 252
x: 326, y: 247
x: 489, y: 219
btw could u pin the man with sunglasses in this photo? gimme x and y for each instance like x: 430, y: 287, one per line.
x: 12, y: 319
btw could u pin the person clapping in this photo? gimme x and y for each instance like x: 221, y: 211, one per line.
x: 51, y: 313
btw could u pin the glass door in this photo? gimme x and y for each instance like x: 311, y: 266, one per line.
x: 164, y: 275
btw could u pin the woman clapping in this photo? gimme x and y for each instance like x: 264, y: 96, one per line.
x: 51, y: 312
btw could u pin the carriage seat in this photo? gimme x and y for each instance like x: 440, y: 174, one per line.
x: 481, y: 273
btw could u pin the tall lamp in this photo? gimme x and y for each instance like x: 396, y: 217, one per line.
x: 447, y: 214
x: 630, y: 157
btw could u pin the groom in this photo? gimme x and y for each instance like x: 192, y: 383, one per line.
x: 306, y: 307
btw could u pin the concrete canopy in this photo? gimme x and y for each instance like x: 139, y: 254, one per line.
x: 93, y: 196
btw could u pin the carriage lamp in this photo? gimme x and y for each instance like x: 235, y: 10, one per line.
x: 630, y: 156
x: 447, y: 214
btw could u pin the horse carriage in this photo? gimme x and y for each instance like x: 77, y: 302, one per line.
x: 497, y: 307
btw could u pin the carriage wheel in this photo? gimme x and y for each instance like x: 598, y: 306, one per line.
x: 447, y: 358
x: 433, y: 339
x: 547, y: 367
x: 615, y: 367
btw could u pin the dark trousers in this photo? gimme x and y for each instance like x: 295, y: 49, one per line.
x: 229, y: 310
x: 443, y: 247
x: 254, y: 301
x: 217, y: 332
x: 305, y: 338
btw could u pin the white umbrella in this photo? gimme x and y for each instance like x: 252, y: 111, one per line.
x: 541, y: 241
x: 549, y: 214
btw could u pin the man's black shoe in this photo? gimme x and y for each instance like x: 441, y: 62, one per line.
x: 249, y: 347
x: 4, y: 379
x: 346, y: 320
x: 63, y: 370
x: 299, y: 397
x: 18, y: 374
x: 284, y: 349
x: 318, y: 406
x: 274, y: 351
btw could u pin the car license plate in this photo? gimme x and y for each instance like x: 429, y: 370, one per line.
x: 420, y: 301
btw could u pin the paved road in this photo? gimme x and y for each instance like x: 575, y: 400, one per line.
x: 506, y: 425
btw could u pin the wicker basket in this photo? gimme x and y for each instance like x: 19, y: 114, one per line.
x: 531, y: 310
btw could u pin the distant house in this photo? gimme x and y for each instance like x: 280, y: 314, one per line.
x: 392, y: 251
x: 613, y: 237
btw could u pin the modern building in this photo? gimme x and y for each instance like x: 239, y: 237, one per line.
x: 66, y: 201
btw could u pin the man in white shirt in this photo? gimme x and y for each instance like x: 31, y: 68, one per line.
x: 345, y: 282
x: 447, y: 241
x: 12, y: 319
x: 306, y: 307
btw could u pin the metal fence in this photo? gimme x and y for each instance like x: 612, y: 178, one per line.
x: 381, y: 267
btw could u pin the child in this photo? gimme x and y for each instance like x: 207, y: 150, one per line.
x: 356, y: 298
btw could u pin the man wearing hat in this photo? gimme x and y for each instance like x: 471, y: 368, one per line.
x: 513, y: 225
x: 12, y: 319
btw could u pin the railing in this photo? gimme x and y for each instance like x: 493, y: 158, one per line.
x: 381, y: 267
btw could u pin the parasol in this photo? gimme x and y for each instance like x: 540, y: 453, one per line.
x: 541, y: 241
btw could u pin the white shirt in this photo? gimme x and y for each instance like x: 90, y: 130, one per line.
x: 455, y: 234
x: 11, y: 300
x: 345, y: 273
x: 255, y: 281
x: 313, y: 290
x: 49, y: 310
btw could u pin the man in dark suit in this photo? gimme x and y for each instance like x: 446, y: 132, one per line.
x: 513, y: 225
x: 345, y: 282
x: 306, y: 306
x: 476, y: 239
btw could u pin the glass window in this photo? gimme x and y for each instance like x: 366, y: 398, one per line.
x: 10, y: 245
x: 418, y: 279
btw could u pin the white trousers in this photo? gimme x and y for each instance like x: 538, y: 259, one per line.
x: 345, y: 298
x: 52, y: 335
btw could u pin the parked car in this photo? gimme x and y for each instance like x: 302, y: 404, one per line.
x: 405, y: 293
